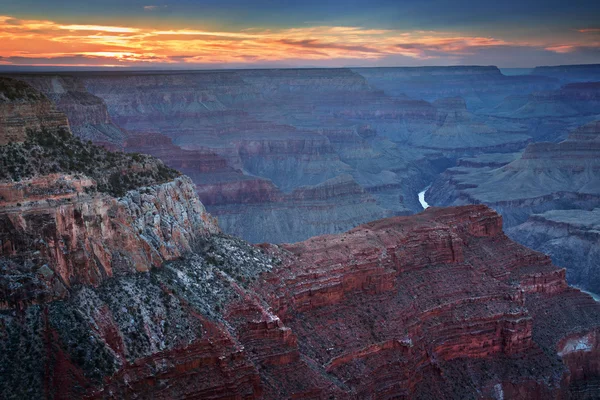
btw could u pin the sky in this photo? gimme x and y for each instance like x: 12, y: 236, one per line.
x: 187, y: 34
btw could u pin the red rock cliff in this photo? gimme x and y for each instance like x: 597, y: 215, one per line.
x: 437, y: 305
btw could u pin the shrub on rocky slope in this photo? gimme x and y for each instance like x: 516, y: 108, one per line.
x: 45, y: 152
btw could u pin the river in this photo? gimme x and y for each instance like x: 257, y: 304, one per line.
x: 424, y: 204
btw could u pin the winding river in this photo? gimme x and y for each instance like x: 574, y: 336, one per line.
x: 422, y: 198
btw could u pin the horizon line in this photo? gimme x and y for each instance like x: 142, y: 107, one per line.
x: 58, y: 68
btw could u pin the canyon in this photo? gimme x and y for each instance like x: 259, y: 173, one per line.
x: 129, y: 288
x: 121, y: 277
x: 546, y: 195
x: 282, y: 155
x: 261, y: 145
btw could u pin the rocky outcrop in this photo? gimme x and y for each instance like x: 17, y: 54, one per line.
x: 556, y: 180
x: 546, y: 176
x: 571, y: 238
x: 61, y: 227
x: 23, y: 109
x: 441, y: 304
x: 88, y: 116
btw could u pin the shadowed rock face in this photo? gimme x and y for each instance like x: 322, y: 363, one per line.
x: 88, y: 116
x: 571, y: 238
x: 545, y: 179
x: 23, y: 108
x: 265, y: 134
x: 249, y: 139
x: 549, y: 115
x: 479, y: 86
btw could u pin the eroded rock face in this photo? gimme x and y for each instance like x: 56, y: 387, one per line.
x: 59, y: 223
x: 249, y: 139
x: 571, y: 238
x: 441, y: 304
x: 139, y: 294
x: 22, y: 109
x: 545, y: 195
x: 256, y: 208
x: 88, y: 116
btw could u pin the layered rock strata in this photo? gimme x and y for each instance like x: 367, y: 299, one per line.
x: 23, y: 109
x: 441, y: 304
x: 571, y: 238
x: 541, y: 195
x: 88, y: 115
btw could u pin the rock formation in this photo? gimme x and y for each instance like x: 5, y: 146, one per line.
x: 549, y: 115
x: 413, y: 307
x: 250, y: 139
x: 571, y: 238
x: 546, y: 178
x: 105, y: 294
x: 23, y: 109
x: 88, y: 116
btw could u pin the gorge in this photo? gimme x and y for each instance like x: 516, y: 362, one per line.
x: 122, y: 276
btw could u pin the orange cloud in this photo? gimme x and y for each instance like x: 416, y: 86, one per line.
x: 561, y: 49
x: 48, y: 42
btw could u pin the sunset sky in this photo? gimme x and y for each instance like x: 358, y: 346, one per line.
x: 271, y: 33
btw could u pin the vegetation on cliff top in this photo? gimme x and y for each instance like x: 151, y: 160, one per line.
x: 12, y: 90
x: 46, y: 152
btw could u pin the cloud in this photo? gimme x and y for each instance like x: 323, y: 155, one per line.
x: 46, y: 42
x: 98, y: 28
x: 154, y: 8
x: 316, y: 44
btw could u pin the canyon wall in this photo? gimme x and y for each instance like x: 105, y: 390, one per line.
x: 253, y: 141
x: 571, y: 238
x: 547, y: 182
x: 129, y: 289
x: 437, y: 305
x: 249, y: 139
x: 88, y: 116
x: 22, y: 108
